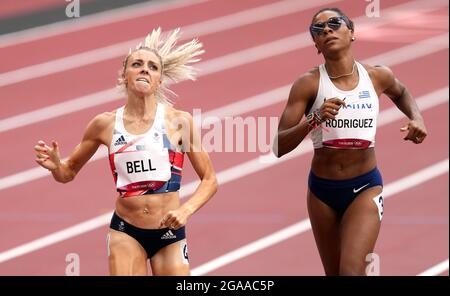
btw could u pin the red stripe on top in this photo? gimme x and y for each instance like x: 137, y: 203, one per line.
x: 113, y: 167
x: 142, y: 186
x: 176, y: 158
x: 347, y: 143
x: 132, y: 142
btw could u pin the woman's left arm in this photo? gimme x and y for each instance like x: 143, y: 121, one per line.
x: 402, y: 98
x: 208, y: 183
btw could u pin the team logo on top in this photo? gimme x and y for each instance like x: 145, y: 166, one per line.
x: 120, y: 141
x: 353, y: 102
x: 155, y: 137
x: 364, y: 94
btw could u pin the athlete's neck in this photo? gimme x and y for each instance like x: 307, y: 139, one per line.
x: 339, y: 66
x: 141, y: 106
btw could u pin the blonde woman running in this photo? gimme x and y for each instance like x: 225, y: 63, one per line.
x: 147, y: 139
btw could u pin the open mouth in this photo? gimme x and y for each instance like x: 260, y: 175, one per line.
x: 142, y: 79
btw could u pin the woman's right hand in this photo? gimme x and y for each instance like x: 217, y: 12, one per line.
x: 46, y: 156
x: 330, y: 108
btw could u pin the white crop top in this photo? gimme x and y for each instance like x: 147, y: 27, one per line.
x: 145, y: 163
x: 355, y: 125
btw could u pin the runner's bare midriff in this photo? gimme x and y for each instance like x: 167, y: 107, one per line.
x: 146, y: 211
x: 341, y: 164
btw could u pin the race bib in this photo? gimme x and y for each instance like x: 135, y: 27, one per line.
x: 184, y: 252
x: 140, y: 170
x: 353, y: 127
x: 378, y: 200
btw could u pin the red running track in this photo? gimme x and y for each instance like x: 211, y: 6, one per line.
x: 414, y: 234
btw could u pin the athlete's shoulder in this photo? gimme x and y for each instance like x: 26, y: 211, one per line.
x: 173, y: 113
x: 380, y: 75
x: 310, y: 77
x: 103, y: 119
x: 307, y: 84
x: 180, y: 122
x: 100, y: 127
x: 101, y: 123
x: 379, y: 71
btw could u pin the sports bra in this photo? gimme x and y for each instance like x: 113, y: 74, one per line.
x: 355, y: 125
x: 147, y: 163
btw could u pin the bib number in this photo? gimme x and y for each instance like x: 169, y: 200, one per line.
x: 138, y: 170
x: 378, y: 200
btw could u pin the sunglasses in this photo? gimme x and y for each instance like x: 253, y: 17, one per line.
x: 333, y: 23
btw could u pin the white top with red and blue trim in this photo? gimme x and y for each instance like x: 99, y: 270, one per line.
x: 147, y: 163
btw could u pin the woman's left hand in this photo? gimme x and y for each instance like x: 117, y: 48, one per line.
x: 175, y: 219
x: 416, y: 131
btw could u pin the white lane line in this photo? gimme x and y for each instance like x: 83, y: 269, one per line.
x: 401, y: 55
x: 115, y: 50
x: 94, y: 20
x: 389, y: 190
x: 435, y: 270
x: 234, y: 173
x: 390, y: 58
x: 60, y: 109
x: 252, y: 247
x: 396, y: 13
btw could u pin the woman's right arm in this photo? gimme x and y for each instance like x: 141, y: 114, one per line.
x: 65, y: 170
x: 291, y: 131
